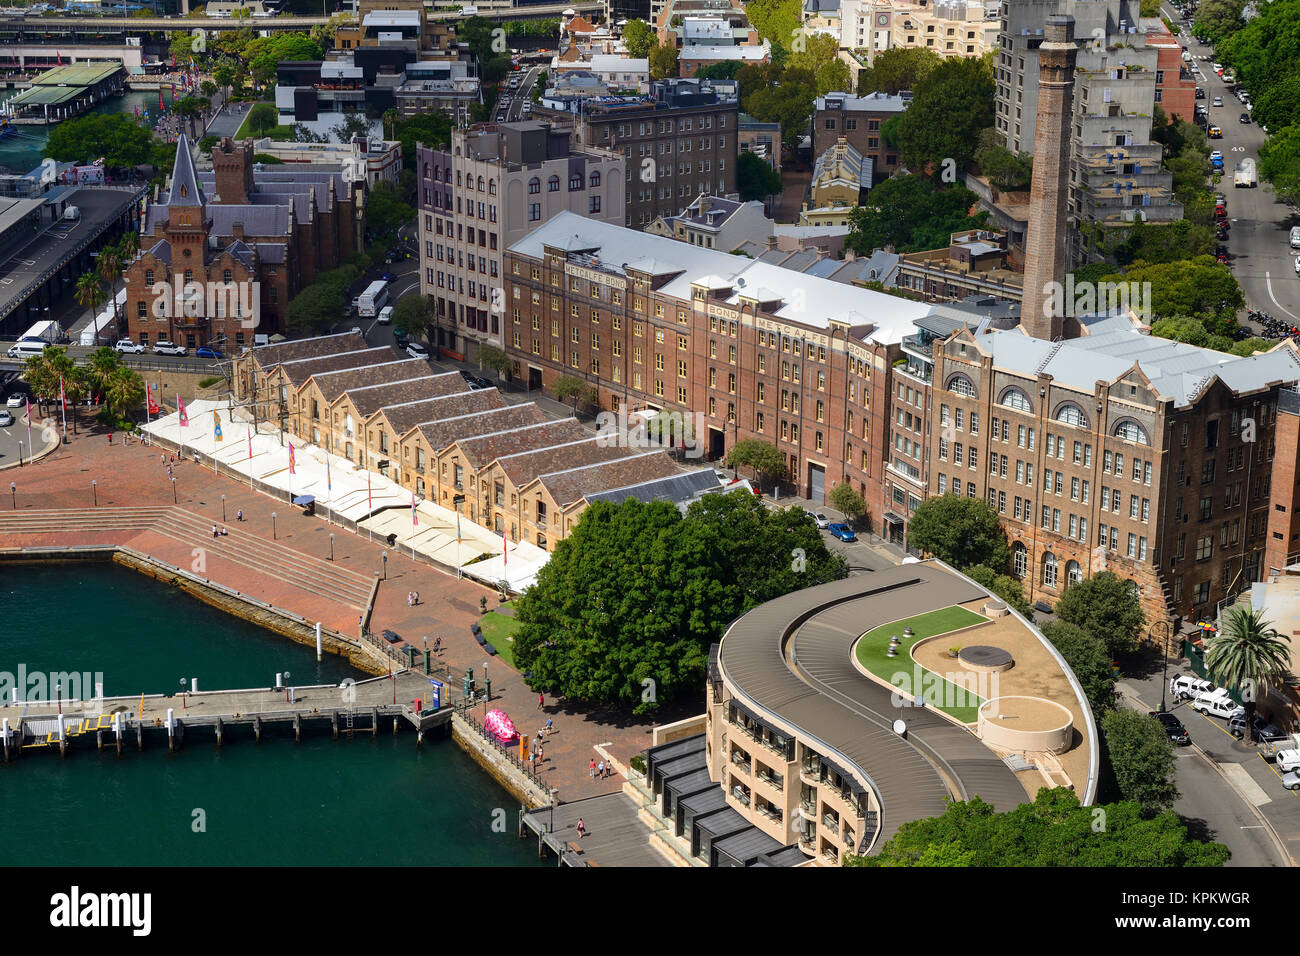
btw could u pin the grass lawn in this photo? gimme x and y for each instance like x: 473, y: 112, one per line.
x: 498, y: 627
x: 279, y: 133
x: 871, y: 653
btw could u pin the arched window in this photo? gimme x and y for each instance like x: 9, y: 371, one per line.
x: 1072, y: 414
x: 553, y: 184
x: 480, y: 184
x: 594, y: 180
x: 575, y: 181
x: 227, y: 276
x: 1019, y: 559
x: 1015, y: 398
x: 961, y: 385
x: 492, y: 187
x: 534, y: 185
x: 1049, y: 570
x: 1130, y: 430
x: 1073, y: 573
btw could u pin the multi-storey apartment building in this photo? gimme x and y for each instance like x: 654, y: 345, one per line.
x: 948, y: 27
x: 857, y: 119
x: 488, y: 190
x: 679, y: 142
x: 757, y: 350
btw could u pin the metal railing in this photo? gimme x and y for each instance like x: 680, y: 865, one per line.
x: 464, y: 708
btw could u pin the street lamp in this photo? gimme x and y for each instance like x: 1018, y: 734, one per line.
x: 13, y: 494
x: 274, y: 536
x: 385, y: 565
x: 20, y: 454
x: 487, y: 688
x: 223, y: 508
x: 184, y: 686
x: 287, y: 693
x: 1169, y: 633
x: 94, y: 491
x: 173, y: 489
x: 331, y: 545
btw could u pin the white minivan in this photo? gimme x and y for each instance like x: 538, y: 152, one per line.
x: 27, y: 349
x: 386, y: 315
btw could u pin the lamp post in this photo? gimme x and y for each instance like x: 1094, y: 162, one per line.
x: 184, y: 686
x: 94, y: 491
x: 1164, y: 686
x: 20, y: 454
x: 288, y: 695
x: 13, y: 494
x: 174, y: 489
x: 487, y: 689
x: 274, y: 536
x: 331, y: 545
x: 385, y: 565
x: 223, y: 508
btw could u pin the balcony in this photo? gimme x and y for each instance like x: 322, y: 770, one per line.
x: 769, y: 812
x: 831, y: 823
x: 740, y: 759
x: 774, y: 780
x: 740, y: 794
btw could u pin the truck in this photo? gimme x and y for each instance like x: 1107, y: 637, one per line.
x: 1269, y: 747
x: 48, y: 331
x: 373, y: 299
x: 1217, y: 704
x: 1245, y: 175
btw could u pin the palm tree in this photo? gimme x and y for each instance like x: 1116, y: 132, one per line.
x: 124, y: 391
x: 1247, y: 653
x: 110, y: 270
x: 390, y: 123
x: 99, y: 368
x: 89, y: 292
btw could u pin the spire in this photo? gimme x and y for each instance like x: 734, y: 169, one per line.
x: 185, y: 189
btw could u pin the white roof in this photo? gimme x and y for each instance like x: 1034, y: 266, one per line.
x: 392, y: 18
x: 808, y: 300
x: 612, y: 63
x: 697, y: 51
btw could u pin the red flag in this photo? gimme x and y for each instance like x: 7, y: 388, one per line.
x: 180, y: 408
x: 173, y: 61
x: 504, y: 555
x: 370, y: 501
x: 250, y: 444
x: 63, y: 402
x: 160, y: 101
x: 292, y: 470
x: 153, y: 406
x: 415, y: 522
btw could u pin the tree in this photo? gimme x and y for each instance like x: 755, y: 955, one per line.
x: 123, y: 392
x: 1247, y: 653
x: 950, y: 107
x: 571, y: 387
x: 390, y: 123
x: 960, y: 531
x: 495, y: 358
x: 413, y: 315
x: 663, y: 61
x: 844, y: 499
x: 1279, y: 163
x: 353, y: 124
x: 263, y: 118
x: 89, y: 292
x: 110, y: 270
x: 1199, y: 287
x: 626, y: 608
x: 896, y: 70
x: 639, y: 37
x: 112, y: 136
x: 431, y: 129
x: 386, y: 212
x: 1088, y: 658
x: 726, y: 70
x: 1215, y: 19
x: 1141, y: 759
x: 767, y: 460
x: 1008, y: 588
x: 207, y: 144
x: 49, y: 371
x: 776, y: 21
x: 1183, y: 328
x: 789, y: 103
x: 1106, y: 607
x: 1054, y: 830
x: 99, y: 368
x: 224, y: 75
x: 1004, y: 169
x: 208, y: 89
x: 911, y: 214
x: 834, y: 77
x: 755, y: 177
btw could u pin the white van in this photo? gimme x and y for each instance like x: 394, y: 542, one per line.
x: 1188, y: 686
x: 386, y: 315
x: 27, y: 349
x: 1295, y: 237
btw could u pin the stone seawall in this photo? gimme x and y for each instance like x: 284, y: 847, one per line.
x: 500, y: 769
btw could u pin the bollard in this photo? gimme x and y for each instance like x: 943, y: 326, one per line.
x: 297, y: 728
x: 318, y: 654
x: 220, y: 728
x: 279, y: 682
x: 6, y: 736
x: 171, y: 728
x: 117, y: 730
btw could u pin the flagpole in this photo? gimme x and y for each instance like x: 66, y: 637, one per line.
x: 250, y: 459
x: 63, y: 403
x: 370, y: 508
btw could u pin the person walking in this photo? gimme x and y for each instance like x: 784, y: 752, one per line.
x: 600, y: 770
x: 540, y: 754
x: 550, y: 728
x: 437, y: 645
x: 582, y: 831
x: 541, y: 701
x: 214, y: 531
x: 239, y: 515
x: 592, y: 768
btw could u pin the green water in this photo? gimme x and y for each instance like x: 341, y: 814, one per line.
x: 23, y: 152
x: 319, y: 803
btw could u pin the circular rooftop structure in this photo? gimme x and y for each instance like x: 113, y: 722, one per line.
x: 1022, y: 724
x: 985, y: 658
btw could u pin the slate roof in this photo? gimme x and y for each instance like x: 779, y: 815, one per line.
x: 523, y: 467
x: 369, y: 399
x: 334, y: 384
x: 573, y: 484
x: 448, y: 431
x: 403, y: 417
x: 270, y: 355
x: 679, y: 488
x: 486, y: 448
x: 299, y: 370
x: 185, y: 189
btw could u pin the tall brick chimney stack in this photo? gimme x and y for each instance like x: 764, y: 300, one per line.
x: 1045, y: 255
x: 233, y: 165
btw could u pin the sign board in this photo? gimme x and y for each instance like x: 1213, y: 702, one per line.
x: 435, y: 694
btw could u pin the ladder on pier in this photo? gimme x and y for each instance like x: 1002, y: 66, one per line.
x: 348, y: 725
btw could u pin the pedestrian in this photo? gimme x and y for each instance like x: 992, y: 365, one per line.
x: 540, y: 754
x: 581, y: 829
x: 549, y: 728
x: 592, y: 768
x: 600, y: 770
x: 541, y: 701
x: 110, y: 437
x: 239, y: 515
x: 214, y: 531
x: 162, y: 459
x: 417, y: 598
x: 437, y: 645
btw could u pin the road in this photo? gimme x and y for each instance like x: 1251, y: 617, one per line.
x: 1259, y: 252
x: 512, y: 101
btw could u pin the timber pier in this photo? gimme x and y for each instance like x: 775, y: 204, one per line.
x: 369, y: 706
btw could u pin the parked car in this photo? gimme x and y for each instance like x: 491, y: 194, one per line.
x: 474, y: 381
x: 400, y: 339
x: 416, y: 350
x: 1244, y: 118
x: 1291, y: 780
x: 822, y: 521
x: 1173, y: 727
x: 1263, y: 729
x: 1187, y: 686
x: 356, y: 330
x: 126, y: 345
x: 842, y: 531
x: 6, y: 418
x: 1200, y: 93
x: 1217, y: 704
x: 163, y: 347
x: 16, y: 400
x: 1221, y: 253
x: 1288, y: 760
x: 387, y: 276
x: 207, y: 351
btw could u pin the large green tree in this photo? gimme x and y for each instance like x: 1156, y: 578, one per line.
x: 639, y: 37
x: 960, y: 531
x: 1053, y: 831
x: 1005, y: 586
x: 899, y: 69
x: 766, y: 460
x: 1247, y: 653
x: 1141, y: 759
x: 625, y: 610
x: 263, y: 118
x: 911, y: 214
x: 663, y: 61
x: 1106, y: 607
x: 387, y: 210
x: 950, y: 107
x: 1279, y: 163
x: 1088, y: 658
x: 113, y: 136
x: 1217, y: 19
x: 1199, y: 287
x: 755, y: 177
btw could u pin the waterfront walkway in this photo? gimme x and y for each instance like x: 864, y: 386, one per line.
x: 278, y: 566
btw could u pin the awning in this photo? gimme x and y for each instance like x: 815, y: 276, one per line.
x: 304, y: 499
x: 891, y: 518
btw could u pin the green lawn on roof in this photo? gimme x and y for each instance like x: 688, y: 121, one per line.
x: 873, y: 645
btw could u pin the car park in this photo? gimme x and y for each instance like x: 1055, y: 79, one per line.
x: 822, y: 521
x: 842, y: 531
x: 164, y: 347
x: 6, y: 418
x: 208, y: 352
x: 416, y: 350
x: 1173, y: 727
x: 126, y: 345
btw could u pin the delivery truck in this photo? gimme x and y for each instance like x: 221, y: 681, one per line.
x: 1245, y: 176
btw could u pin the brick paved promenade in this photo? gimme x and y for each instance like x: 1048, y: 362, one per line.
x: 290, y: 573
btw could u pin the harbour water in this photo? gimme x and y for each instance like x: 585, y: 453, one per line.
x: 22, y: 152
x: 323, y: 802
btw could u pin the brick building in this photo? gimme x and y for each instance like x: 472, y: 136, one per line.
x: 858, y: 119
x: 214, y: 238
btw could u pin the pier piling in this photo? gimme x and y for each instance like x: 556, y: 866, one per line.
x: 220, y: 728
x: 334, y: 724
x: 297, y: 728
x: 99, y: 740
x: 374, y: 722
x: 257, y: 729
x: 6, y: 736
x: 117, y: 731
x: 139, y: 735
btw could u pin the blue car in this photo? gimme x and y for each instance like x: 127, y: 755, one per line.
x: 842, y: 531
x: 388, y: 277
x: 206, y: 352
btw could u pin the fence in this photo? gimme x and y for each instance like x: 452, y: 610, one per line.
x: 510, y: 753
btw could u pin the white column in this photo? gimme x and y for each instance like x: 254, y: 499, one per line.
x: 318, y: 653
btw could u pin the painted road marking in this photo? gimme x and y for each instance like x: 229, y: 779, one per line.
x: 1268, y: 282
x: 1245, y: 783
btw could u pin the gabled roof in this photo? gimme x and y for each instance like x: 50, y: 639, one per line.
x: 448, y: 431
x: 333, y: 384
x: 523, y: 467
x: 298, y: 371
x: 268, y: 356
x: 403, y: 417
x: 483, y: 449
x: 369, y: 399
x: 571, y: 485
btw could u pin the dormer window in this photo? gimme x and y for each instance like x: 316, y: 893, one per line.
x: 184, y: 191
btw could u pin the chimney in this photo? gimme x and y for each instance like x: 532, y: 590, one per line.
x: 704, y: 205
x: 232, y: 165
x: 1045, y: 255
x: 237, y: 230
